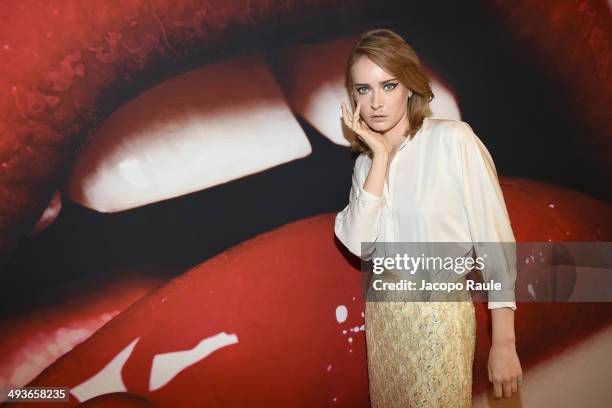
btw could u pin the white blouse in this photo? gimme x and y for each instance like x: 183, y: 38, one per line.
x: 443, y: 187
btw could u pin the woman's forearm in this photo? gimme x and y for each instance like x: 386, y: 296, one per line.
x: 358, y: 222
x: 375, y: 181
x: 503, y: 325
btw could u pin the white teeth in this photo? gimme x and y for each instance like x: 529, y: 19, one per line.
x: 314, y: 83
x: 444, y: 104
x: 203, y: 128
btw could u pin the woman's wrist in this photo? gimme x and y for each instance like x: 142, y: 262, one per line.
x: 505, y: 340
x: 380, y: 155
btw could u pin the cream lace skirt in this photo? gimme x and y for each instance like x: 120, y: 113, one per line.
x: 420, y: 354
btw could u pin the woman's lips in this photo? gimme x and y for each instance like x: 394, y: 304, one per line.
x: 379, y: 118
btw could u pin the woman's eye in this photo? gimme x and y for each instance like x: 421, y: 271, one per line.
x: 393, y: 85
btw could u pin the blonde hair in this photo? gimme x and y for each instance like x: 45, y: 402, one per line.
x: 388, y: 50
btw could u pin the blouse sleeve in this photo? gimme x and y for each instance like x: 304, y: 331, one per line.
x: 358, y: 221
x: 487, y: 216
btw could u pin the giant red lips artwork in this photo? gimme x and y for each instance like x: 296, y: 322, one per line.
x: 174, y: 110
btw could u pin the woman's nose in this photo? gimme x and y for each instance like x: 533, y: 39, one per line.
x: 376, y: 101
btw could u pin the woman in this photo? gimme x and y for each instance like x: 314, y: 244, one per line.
x: 420, y: 179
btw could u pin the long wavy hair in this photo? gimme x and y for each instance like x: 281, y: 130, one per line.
x: 390, y: 51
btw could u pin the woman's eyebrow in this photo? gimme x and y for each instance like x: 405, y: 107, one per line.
x: 381, y: 82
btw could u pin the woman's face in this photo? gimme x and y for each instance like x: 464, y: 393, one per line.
x: 380, y: 94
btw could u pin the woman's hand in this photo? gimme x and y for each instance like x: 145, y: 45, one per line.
x: 504, y: 369
x: 375, y: 141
